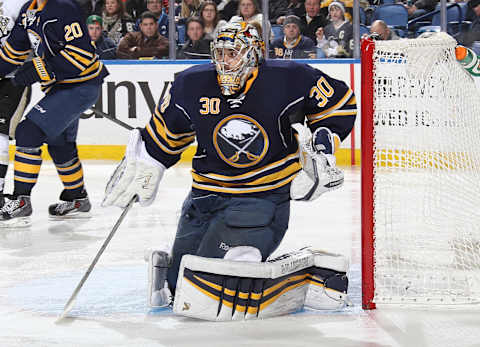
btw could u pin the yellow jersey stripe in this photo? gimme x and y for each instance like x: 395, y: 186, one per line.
x: 16, y: 56
x: 81, y: 51
x: 339, y: 104
x: 160, y: 130
x: 25, y: 180
x: 250, y: 81
x: 75, y: 186
x: 85, y: 78
x: 253, y: 172
x: 161, y: 145
x: 68, y: 168
x: 72, y: 61
x: 333, y: 115
x: 90, y: 69
x: 14, y: 51
x: 170, y: 134
x: 72, y: 177
x: 28, y: 156
x: 84, y: 61
x: 27, y: 168
x: 242, y: 190
x: 275, y: 176
x: 350, y: 112
x: 8, y: 60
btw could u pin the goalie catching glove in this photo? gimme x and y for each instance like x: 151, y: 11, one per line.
x: 319, y: 173
x: 137, y: 174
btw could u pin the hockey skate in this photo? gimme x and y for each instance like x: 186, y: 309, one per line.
x: 158, y: 293
x: 16, y: 212
x: 75, y: 209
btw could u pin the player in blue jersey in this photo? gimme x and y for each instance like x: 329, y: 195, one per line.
x: 13, y: 99
x: 65, y: 64
x: 239, y: 109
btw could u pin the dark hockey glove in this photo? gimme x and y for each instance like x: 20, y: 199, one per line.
x: 33, y: 71
x: 323, y: 141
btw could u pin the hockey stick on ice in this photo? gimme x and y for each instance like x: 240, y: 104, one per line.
x: 71, y: 301
x: 113, y: 119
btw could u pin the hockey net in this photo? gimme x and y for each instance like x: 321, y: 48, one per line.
x: 420, y: 174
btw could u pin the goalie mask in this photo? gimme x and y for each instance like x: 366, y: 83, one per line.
x: 236, y: 51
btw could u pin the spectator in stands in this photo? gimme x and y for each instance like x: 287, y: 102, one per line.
x: 294, y: 7
x: 421, y: 7
x: 383, y: 32
x: 135, y: 8
x: 90, y: 7
x: 473, y: 34
x: 146, y: 43
x: 336, y: 40
x: 155, y: 6
x: 293, y: 45
x: 187, y: 9
x: 312, y: 20
x: 104, y: 46
x: 347, y: 4
x: 249, y: 11
x: 227, y: 9
x: 197, y: 45
x: 116, y: 22
x: 276, y: 9
x: 210, y: 18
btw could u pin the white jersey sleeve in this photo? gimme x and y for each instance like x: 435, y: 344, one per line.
x: 8, y: 14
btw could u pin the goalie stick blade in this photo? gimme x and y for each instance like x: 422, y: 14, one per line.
x: 68, y: 307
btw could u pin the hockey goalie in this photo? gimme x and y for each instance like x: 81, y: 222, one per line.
x: 249, y: 164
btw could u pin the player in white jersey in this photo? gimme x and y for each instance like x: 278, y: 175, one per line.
x: 13, y: 99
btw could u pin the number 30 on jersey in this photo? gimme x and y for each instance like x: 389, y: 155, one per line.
x: 322, y: 91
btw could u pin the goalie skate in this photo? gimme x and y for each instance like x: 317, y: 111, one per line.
x: 75, y: 209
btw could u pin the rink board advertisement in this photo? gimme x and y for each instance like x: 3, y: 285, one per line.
x: 133, y: 88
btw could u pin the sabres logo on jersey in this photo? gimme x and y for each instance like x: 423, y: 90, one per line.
x: 240, y: 141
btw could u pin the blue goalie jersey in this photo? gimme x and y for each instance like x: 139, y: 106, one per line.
x: 246, y: 144
x: 58, y: 37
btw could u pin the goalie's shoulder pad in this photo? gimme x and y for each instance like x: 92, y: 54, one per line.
x: 221, y: 290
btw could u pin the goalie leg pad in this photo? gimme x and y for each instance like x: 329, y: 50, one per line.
x: 223, y: 290
x: 212, y: 225
x: 158, y: 293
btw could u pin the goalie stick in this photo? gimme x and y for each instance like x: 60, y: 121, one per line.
x: 71, y: 301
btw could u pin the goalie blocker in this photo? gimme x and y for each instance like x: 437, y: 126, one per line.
x: 238, y: 290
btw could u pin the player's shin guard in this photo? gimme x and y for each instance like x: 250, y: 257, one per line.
x: 27, y: 167
x: 74, y: 200
x: 219, y: 289
x: 158, y: 293
x: 71, y: 175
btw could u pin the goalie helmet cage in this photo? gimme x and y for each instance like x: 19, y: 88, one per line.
x: 420, y: 174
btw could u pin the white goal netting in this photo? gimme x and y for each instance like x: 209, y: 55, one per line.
x: 426, y: 174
